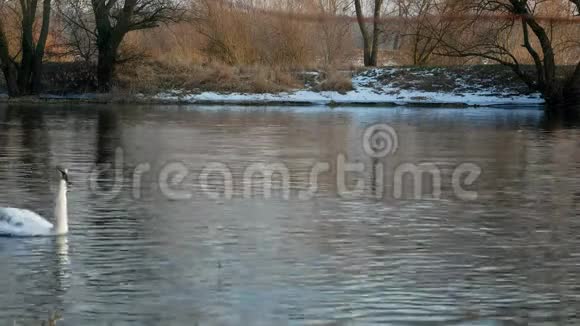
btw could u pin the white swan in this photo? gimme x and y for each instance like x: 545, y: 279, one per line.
x: 24, y: 223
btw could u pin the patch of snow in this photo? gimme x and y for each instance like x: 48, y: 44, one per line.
x: 84, y: 96
x: 309, y: 73
x: 360, y: 96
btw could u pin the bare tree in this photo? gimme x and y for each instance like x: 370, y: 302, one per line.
x: 370, y: 41
x: 335, y: 29
x: 79, y: 35
x: 110, y: 21
x: 494, y: 40
x: 23, y: 68
x: 115, y: 18
x: 424, y: 25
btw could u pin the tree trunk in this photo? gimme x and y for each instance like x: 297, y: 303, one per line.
x: 36, y: 77
x: 11, y: 76
x: 376, y: 33
x: 367, y: 46
x: 24, y: 78
x: 114, y: 19
x: 540, y: 74
x: 368, y: 54
x: 370, y: 45
x: 109, y: 39
x: 574, y: 81
x: 27, y: 60
x: 571, y: 93
x: 106, y: 69
x: 8, y: 66
x: 550, y: 89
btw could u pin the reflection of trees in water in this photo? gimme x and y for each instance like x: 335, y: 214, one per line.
x: 108, y: 140
x: 5, y: 138
x: 128, y: 268
x: 107, y: 136
x: 36, y: 141
x: 31, y: 132
x: 29, y: 155
x: 240, y: 137
x: 558, y: 119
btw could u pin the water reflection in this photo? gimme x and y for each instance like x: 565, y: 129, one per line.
x: 510, y: 257
x: 44, y: 267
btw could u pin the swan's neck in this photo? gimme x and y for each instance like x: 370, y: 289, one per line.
x: 60, y: 209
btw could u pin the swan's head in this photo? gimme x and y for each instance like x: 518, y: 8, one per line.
x: 64, y: 175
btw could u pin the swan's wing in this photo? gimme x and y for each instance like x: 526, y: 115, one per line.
x: 16, y: 221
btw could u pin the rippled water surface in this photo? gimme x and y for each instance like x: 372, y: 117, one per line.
x: 151, y: 245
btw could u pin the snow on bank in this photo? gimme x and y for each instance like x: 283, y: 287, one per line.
x: 359, y: 96
x: 369, y: 90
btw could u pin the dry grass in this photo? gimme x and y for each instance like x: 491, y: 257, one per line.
x: 236, y: 36
x: 336, y: 81
x: 153, y: 76
x: 240, y: 36
x: 270, y: 80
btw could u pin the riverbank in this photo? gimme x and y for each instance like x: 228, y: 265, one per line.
x: 465, y: 86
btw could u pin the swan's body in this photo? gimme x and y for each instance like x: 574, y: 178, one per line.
x: 24, y: 223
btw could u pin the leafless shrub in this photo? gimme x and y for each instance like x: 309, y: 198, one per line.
x: 335, y: 81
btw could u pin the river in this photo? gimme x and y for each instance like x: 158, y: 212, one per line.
x: 172, y: 222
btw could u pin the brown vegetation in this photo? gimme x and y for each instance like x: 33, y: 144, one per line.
x: 335, y: 81
x: 242, y: 35
x: 154, y: 76
x: 262, y: 45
